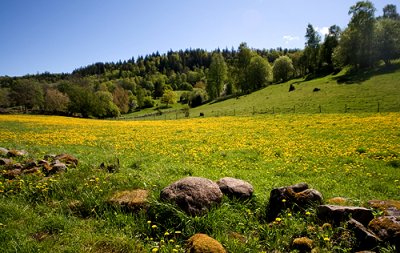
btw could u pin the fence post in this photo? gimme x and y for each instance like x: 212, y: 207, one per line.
x: 253, y: 110
x: 345, y: 108
x: 234, y: 112
x: 294, y: 109
x: 320, y: 109
x: 273, y: 109
x: 378, y: 106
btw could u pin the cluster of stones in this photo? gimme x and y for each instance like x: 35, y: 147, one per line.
x: 11, y: 167
x: 195, y: 196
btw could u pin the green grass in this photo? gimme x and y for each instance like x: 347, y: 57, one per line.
x: 349, y: 155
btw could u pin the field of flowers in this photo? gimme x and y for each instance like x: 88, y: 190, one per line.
x: 356, y: 156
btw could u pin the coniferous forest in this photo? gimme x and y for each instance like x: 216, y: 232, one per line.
x: 110, y: 89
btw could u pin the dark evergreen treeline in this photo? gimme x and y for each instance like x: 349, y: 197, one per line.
x: 109, y: 89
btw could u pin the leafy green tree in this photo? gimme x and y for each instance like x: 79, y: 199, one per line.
x: 5, y: 97
x: 330, y: 43
x: 244, y: 57
x: 104, y: 106
x: 390, y: 12
x: 283, y: 69
x: 387, y: 35
x: 259, y: 72
x: 312, y: 49
x: 169, y: 97
x: 27, y: 93
x: 197, y: 97
x: 217, y: 76
x: 362, y: 25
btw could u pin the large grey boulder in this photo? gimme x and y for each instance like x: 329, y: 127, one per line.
x: 194, y: 195
x: 387, y: 228
x: 237, y: 188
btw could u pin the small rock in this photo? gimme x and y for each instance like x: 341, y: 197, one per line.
x: 303, y: 244
x: 49, y: 157
x: 237, y: 188
x: 337, y: 201
x: 387, y: 228
x: 389, y: 207
x: 30, y: 171
x: 11, y: 174
x: 5, y: 161
x: 67, y: 159
x: 30, y: 164
x: 3, y: 151
x: 195, y: 195
x: 201, y: 243
x: 295, y: 196
x: 337, y: 214
x: 134, y: 199
x: 16, y: 153
x: 366, y: 239
x: 56, y: 167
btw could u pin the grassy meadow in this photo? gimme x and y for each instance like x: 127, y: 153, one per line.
x: 356, y: 156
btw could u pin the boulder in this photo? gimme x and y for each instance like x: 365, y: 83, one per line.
x: 336, y: 214
x: 194, y: 195
x: 303, y: 244
x: 295, y: 196
x: 389, y: 207
x: 3, y: 151
x: 67, y: 159
x: 133, y: 199
x: 16, y: 153
x: 337, y: 201
x: 11, y: 174
x: 201, y: 243
x: 236, y: 188
x: 366, y: 239
x: 5, y: 161
x: 387, y: 228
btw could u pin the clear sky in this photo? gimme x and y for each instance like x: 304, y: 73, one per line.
x: 62, y: 35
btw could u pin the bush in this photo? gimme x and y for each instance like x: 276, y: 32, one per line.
x: 197, y: 97
x: 148, y: 102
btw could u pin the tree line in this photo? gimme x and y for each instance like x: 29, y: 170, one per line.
x: 110, y: 89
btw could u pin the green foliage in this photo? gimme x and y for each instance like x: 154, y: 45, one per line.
x: 283, y: 69
x: 217, y: 76
x: 259, y: 73
x: 27, y: 93
x: 197, y: 97
x: 169, y: 97
x: 387, y: 39
x: 55, y: 101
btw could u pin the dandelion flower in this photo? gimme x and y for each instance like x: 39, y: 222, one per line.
x: 278, y: 219
x: 154, y: 250
x: 154, y: 226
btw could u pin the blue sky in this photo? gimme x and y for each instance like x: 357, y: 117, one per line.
x: 62, y: 35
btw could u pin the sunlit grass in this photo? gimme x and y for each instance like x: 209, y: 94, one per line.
x: 348, y: 155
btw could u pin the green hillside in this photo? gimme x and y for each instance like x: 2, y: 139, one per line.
x: 368, y: 91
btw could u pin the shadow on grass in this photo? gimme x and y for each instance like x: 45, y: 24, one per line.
x: 355, y: 76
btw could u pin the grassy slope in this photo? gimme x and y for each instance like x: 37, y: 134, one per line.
x: 358, y: 93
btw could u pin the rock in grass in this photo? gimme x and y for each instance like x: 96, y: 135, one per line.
x: 3, y: 151
x: 201, y: 243
x: 336, y: 214
x: 365, y: 238
x: 303, y: 244
x: 67, y: 159
x: 295, y: 196
x: 194, y: 195
x: 387, y: 228
x: 16, y: 153
x: 133, y: 199
x: 236, y: 188
x: 5, y: 161
x: 388, y: 207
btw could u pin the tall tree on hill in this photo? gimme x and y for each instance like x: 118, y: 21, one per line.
x: 330, y: 43
x: 27, y: 93
x: 283, y: 69
x: 356, y: 42
x: 217, y: 75
x: 362, y: 23
x: 390, y: 11
x: 259, y: 72
x: 312, y: 48
x: 387, y: 35
x: 244, y: 57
